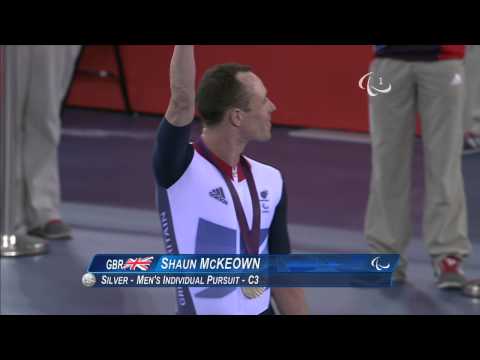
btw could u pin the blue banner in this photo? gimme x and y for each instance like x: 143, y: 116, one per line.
x: 160, y: 270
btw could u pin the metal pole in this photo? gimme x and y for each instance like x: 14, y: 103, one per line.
x: 12, y: 245
x: 123, y: 79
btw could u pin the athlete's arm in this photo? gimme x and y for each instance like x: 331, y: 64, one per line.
x: 279, y: 241
x: 181, y: 108
x: 290, y: 301
x: 173, y: 153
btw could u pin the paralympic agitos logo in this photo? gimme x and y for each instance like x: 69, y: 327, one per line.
x: 379, y: 267
x: 371, y: 89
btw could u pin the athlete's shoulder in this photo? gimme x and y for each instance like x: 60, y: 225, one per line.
x: 266, y: 168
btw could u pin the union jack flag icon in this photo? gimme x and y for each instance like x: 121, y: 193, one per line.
x: 138, y: 263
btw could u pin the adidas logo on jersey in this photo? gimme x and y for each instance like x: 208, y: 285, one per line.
x: 219, y: 195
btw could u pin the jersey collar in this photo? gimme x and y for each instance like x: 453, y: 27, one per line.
x: 222, y: 165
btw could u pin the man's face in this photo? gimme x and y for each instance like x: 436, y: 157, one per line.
x: 256, y: 123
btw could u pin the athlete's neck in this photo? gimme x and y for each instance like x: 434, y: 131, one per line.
x: 227, y: 147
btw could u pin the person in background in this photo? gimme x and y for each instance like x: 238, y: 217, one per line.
x: 472, y: 103
x: 39, y: 76
x: 430, y: 80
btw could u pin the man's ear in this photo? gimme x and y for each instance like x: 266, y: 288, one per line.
x: 235, y: 116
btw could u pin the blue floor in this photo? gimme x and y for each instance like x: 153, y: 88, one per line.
x: 108, y: 197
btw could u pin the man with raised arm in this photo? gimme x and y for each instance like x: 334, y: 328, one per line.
x: 211, y: 198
